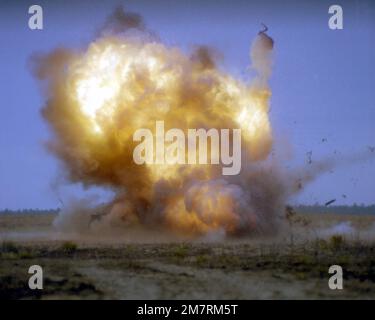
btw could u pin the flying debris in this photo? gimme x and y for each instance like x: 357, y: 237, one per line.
x: 265, y: 29
x: 329, y: 202
x: 96, y: 217
x: 309, y: 157
x: 100, y: 212
x: 299, y: 184
x: 267, y: 40
x: 62, y: 203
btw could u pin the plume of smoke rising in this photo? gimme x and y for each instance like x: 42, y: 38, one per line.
x: 261, y: 57
x: 121, y: 21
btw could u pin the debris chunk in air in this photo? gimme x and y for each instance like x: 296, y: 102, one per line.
x: 329, y: 202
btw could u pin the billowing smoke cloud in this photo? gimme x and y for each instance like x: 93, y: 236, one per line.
x: 120, y: 21
x: 96, y: 98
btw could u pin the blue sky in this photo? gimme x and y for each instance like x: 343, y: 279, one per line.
x: 323, y: 83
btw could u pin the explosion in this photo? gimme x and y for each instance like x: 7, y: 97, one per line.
x: 128, y: 79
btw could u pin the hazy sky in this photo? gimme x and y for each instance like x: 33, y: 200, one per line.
x: 323, y: 83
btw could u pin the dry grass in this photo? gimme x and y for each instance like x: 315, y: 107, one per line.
x: 19, y: 222
x: 246, y: 269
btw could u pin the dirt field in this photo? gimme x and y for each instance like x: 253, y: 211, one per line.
x: 292, y: 266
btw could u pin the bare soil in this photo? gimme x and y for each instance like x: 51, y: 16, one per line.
x: 290, y: 267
